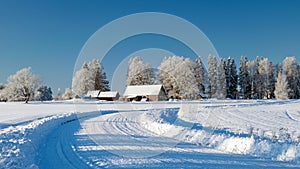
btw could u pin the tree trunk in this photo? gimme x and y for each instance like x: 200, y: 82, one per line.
x: 27, y: 98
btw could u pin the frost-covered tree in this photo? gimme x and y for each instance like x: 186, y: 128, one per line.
x: 68, y: 94
x: 2, y: 97
x: 58, y: 95
x: 166, y: 74
x: 139, y: 73
x: 231, y: 78
x: 263, y: 78
x: 298, y: 80
x: 200, y: 75
x: 272, y: 81
x: 83, y: 80
x: 189, y: 88
x: 244, y: 78
x: 178, y: 77
x: 252, y: 69
x: 22, y: 85
x: 212, y: 75
x: 44, y: 93
x: 281, y: 88
x: 290, y: 70
x: 97, y: 71
x: 2, y: 86
x: 90, y: 77
x: 234, y: 79
x: 221, y: 81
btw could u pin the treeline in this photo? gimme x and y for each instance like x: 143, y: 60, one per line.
x: 25, y: 86
x: 181, y: 77
x: 254, y: 79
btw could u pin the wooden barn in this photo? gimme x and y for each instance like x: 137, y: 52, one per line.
x: 145, y: 92
x: 109, y: 96
x: 93, y: 94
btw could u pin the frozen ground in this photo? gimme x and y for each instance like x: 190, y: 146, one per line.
x: 208, y: 134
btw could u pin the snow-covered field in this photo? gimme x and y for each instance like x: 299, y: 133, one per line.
x: 207, y: 134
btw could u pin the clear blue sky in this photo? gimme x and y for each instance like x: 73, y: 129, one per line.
x: 48, y: 35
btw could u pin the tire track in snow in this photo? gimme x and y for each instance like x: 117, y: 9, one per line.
x: 125, y: 125
x: 291, y: 117
x: 57, y: 152
x: 116, y: 132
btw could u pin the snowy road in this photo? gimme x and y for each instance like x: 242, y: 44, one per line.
x: 208, y: 134
x: 120, y: 140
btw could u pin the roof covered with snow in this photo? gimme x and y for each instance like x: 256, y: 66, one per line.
x: 108, y: 94
x: 93, y: 93
x: 142, y: 90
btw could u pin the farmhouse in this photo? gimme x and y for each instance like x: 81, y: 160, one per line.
x: 149, y: 92
x: 109, y: 96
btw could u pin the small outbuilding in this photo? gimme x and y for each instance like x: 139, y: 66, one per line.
x: 202, y: 96
x: 93, y: 94
x: 109, y: 96
x: 105, y: 95
x: 145, y: 92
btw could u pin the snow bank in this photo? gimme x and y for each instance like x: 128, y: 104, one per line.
x: 19, y: 144
x: 292, y: 153
x: 165, y: 123
x: 160, y: 122
x: 237, y: 145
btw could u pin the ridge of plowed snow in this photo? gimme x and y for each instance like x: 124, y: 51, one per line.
x: 224, y: 141
x: 18, y: 143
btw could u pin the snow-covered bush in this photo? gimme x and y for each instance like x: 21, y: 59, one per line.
x: 44, y: 93
x: 68, y: 94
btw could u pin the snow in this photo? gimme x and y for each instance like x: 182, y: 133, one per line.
x: 15, y: 113
x: 207, y: 134
x: 93, y: 93
x: 290, y: 154
x: 142, y: 90
x: 18, y: 143
x: 108, y: 94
